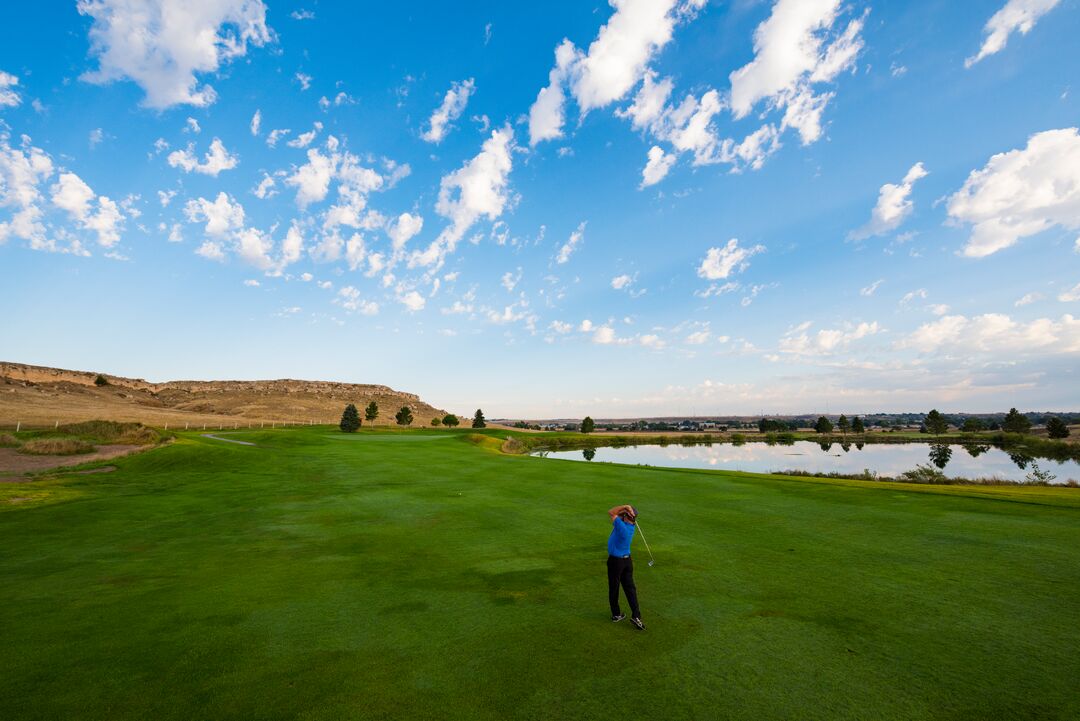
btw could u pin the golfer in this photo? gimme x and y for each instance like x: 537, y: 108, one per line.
x: 620, y: 568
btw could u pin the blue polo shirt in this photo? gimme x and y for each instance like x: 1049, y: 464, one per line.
x: 618, y: 543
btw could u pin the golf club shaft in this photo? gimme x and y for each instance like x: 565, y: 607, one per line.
x: 645, y: 542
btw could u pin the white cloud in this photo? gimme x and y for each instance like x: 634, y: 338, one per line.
x: 256, y: 122
x: 453, y: 105
x: 510, y: 280
x: 893, y: 206
x: 302, y: 14
x: 571, y: 244
x: 21, y: 172
x: 995, y: 333
x: 1015, y: 15
x: 615, y: 62
x: 1021, y: 193
x: 275, y: 135
x: 698, y: 338
x: 312, y: 180
x: 95, y: 137
x: 304, y: 139
x: 211, y: 250
x: 166, y: 196
x: 73, y: 195
x: 1071, y: 295
x: 793, y: 49
x: 412, y: 300
x: 349, y: 299
x: 719, y: 263
x: 216, y: 159
x: 192, y: 126
x: 355, y: 251
x: 252, y: 283
x: 560, y: 327
x: 797, y: 341
x: 404, y: 228
x: 657, y: 167
x: 304, y: 80
x: 265, y: 188
x: 912, y: 295
x: 872, y: 288
x: 547, y: 114
x: 9, y: 97
x: 222, y: 215
x: 162, y: 44
x: 1028, y: 299
x: 621, y: 281
x: 477, y: 189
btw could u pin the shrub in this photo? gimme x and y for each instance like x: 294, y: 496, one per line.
x: 56, y: 447
x: 113, y: 432
x: 7, y: 440
x: 101, y: 381
x: 924, y: 474
x: 737, y: 439
x: 436, y: 421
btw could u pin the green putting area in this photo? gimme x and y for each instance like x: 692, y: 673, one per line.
x: 308, y: 578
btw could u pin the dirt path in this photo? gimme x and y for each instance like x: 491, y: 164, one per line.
x: 12, y: 462
x: 227, y: 440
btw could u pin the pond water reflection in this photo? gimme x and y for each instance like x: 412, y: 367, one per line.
x: 885, y: 459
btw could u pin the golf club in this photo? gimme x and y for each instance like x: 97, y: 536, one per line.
x: 651, y: 559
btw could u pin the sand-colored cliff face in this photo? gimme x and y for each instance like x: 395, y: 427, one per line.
x: 38, y: 395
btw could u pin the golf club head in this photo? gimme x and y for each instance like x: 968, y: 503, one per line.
x: 651, y: 563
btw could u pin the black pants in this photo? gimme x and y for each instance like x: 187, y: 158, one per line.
x: 621, y: 570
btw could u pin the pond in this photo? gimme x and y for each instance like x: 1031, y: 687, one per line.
x: 885, y: 459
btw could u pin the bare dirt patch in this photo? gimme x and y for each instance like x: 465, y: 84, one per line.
x: 13, y: 462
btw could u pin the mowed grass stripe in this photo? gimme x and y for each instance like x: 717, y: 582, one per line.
x: 308, y: 578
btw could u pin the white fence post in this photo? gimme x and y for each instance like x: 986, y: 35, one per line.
x: 18, y: 427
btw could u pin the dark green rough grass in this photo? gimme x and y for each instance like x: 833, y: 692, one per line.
x: 421, y: 577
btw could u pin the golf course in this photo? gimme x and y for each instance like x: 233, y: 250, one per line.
x: 423, y: 574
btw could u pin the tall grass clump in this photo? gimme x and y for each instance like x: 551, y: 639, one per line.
x: 113, y: 432
x: 56, y: 447
x: 8, y: 440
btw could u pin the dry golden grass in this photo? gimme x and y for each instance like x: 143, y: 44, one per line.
x: 41, y: 397
x: 56, y: 447
x: 7, y: 440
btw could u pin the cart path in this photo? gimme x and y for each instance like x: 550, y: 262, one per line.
x: 227, y: 440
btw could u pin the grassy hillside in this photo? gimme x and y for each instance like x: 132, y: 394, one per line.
x: 425, y: 575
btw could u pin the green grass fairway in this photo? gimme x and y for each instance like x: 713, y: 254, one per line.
x: 315, y: 577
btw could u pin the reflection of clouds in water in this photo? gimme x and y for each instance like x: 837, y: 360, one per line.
x: 884, y: 459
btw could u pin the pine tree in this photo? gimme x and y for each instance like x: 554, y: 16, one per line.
x: 936, y: 423
x: 823, y: 425
x: 842, y: 424
x: 1016, y: 422
x: 1056, y: 428
x: 404, y: 416
x: 450, y: 420
x: 478, y: 419
x: 350, y: 419
x: 857, y: 425
x: 588, y: 425
x: 371, y: 412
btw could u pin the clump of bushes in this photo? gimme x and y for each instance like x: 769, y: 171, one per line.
x: 56, y: 447
x: 924, y: 474
x: 135, y: 434
x: 7, y: 440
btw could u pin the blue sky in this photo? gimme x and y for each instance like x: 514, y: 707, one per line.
x: 643, y: 208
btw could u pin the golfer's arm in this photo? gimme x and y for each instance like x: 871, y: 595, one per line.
x: 617, y: 510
